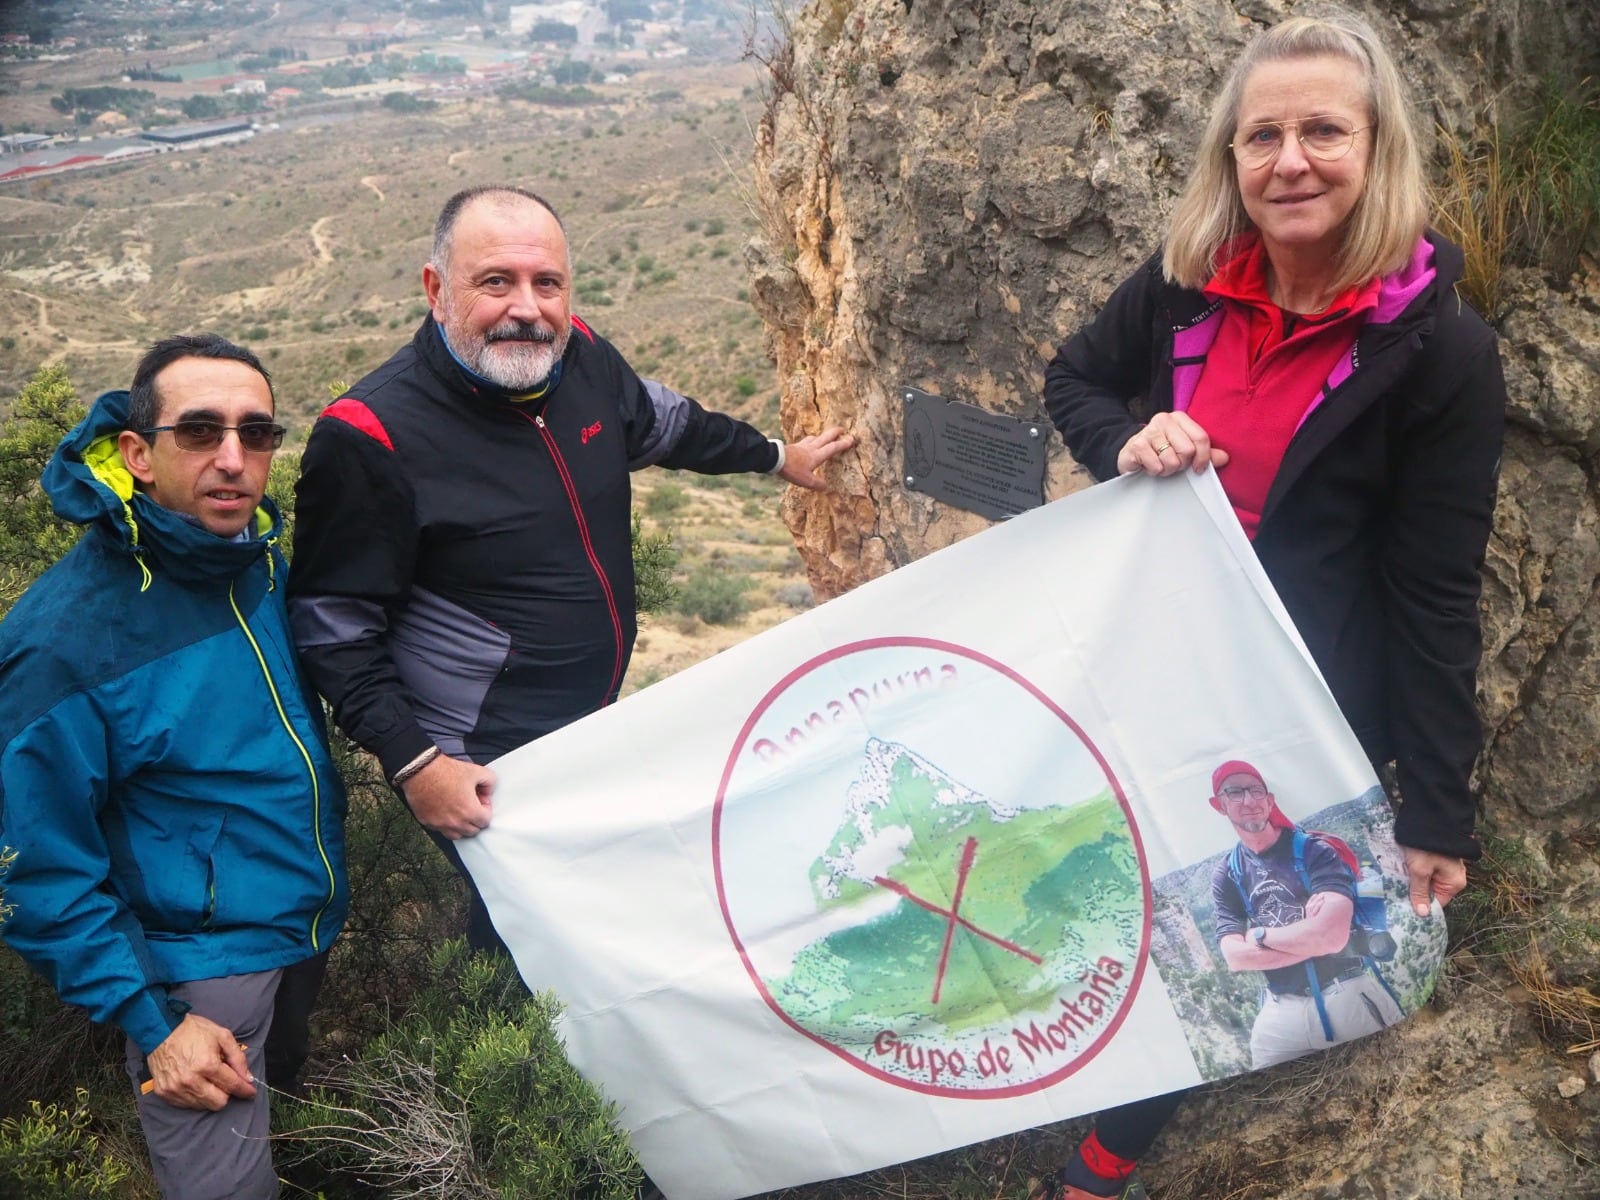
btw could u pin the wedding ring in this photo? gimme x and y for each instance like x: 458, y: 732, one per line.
x: 1162, y: 449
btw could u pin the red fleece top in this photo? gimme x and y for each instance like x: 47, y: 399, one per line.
x: 1265, y: 371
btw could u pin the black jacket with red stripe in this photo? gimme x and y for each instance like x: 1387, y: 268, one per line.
x: 463, y: 570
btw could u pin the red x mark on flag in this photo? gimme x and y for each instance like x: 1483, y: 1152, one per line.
x: 952, y: 915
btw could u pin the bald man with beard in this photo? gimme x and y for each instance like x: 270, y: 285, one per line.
x: 463, y: 576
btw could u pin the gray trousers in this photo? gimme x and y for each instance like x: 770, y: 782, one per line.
x: 224, y: 1155
x: 1289, y: 1026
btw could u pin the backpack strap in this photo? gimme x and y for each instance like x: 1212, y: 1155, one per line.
x: 1236, y: 873
x: 1310, y: 964
x: 1300, y: 839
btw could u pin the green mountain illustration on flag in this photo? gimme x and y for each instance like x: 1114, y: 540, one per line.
x: 971, y: 911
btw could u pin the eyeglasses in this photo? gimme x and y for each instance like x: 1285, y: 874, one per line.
x: 199, y: 437
x: 1255, y: 791
x: 1324, y: 138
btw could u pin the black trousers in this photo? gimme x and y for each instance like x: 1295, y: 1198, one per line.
x: 481, y: 935
x: 1129, y: 1129
x: 289, y: 1037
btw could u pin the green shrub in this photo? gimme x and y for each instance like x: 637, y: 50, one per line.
x: 655, y: 557
x: 666, y: 500
x: 467, y: 1095
x: 406, y: 901
x: 715, y: 595
x: 31, y: 535
x: 51, y: 1155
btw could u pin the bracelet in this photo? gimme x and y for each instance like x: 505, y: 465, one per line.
x: 415, y: 765
x: 783, y: 455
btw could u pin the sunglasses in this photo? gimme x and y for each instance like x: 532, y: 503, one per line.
x: 198, y: 437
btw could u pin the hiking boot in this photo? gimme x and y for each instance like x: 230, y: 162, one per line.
x: 1054, y: 1187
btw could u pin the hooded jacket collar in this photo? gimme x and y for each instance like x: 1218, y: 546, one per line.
x: 88, y: 484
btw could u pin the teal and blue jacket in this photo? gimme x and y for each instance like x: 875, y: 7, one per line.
x: 165, y: 782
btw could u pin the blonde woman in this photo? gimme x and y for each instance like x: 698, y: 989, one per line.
x: 1301, y: 334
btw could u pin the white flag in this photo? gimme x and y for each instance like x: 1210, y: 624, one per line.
x: 937, y: 861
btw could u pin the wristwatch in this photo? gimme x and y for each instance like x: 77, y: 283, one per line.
x: 1259, y: 933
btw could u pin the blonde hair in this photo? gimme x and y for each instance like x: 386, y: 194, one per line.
x: 1392, y: 210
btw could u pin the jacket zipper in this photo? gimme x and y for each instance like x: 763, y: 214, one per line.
x: 311, y: 770
x: 588, y: 544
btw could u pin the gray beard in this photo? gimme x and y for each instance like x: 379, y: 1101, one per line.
x: 515, y: 366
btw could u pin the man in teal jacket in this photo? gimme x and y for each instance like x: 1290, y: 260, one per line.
x: 165, y: 782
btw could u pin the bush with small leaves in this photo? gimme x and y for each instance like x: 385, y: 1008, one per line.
x: 655, y: 557
x: 665, y: 500
x: 31, y: 535
x: 795, y: 595
x: 468, y: 1095
x: 51, y: 1155
x: 715, y: 595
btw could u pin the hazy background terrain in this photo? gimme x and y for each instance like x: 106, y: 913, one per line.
x: 306, y: 240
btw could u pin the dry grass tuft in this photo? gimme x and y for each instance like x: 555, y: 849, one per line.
x: 1565, y: 1010
x: 1473, y: 208
x: 1525, y: 192
x: 422, y: 1148
x: 1508, y: 917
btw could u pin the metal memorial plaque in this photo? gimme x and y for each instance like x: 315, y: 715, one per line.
x: 969, y: 458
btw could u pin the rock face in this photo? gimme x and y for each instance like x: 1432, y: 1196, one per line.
x: 950, y: 188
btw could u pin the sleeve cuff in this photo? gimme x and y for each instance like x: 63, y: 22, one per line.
x: 783, y: 455
x: 1420, y: 834
x: 151, y: 1018
x: 402, y: 749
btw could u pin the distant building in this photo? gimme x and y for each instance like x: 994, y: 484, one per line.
x: 28, y: 169
x: 247, y: 87
x: 16, y: 143
x: 176, y: 135
x: 588, y: 19
x: 95, y: 152
x: 381, y: 88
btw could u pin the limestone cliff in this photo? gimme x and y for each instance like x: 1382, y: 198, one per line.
x: 951, y: 187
